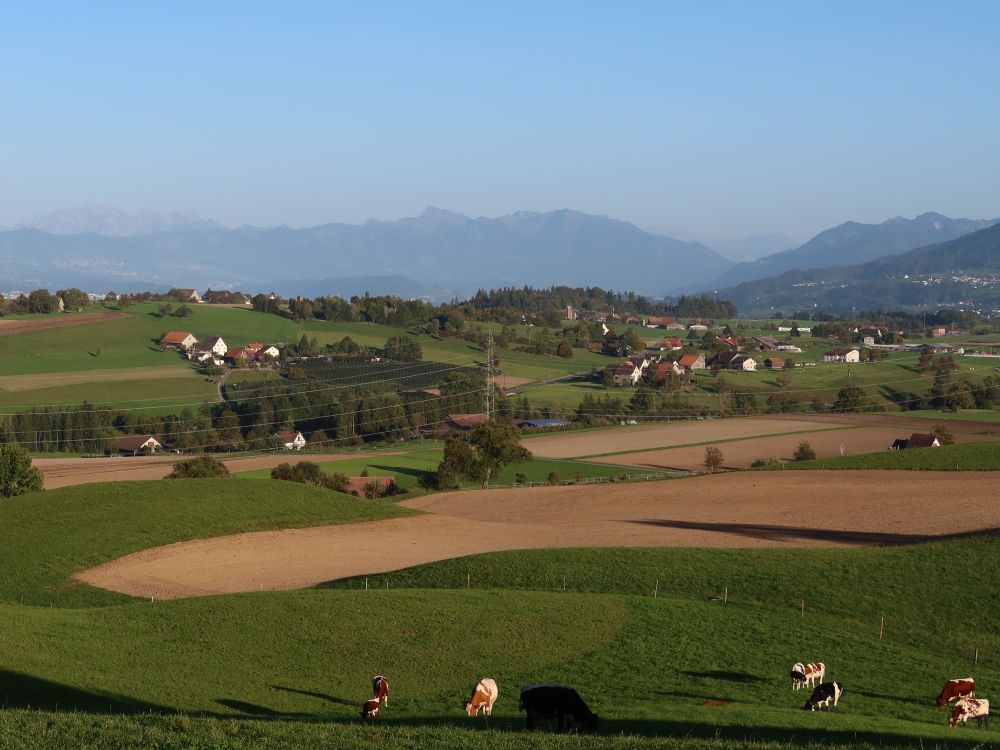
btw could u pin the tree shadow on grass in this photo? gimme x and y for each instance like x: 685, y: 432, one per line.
x: 19, y: 690
x: 774, y: 532
x: 418, y: 473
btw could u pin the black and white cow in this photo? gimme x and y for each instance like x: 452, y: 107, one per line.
x: 823, y: 694
x: 557, y: 702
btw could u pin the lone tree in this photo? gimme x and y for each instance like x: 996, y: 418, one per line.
x: 713, y: 459
x: 804, y: 452
x: 943, y: 434
x: 202, y: 467
x: 481, y: 454
x: 17, y: 475
x: 851, y: 398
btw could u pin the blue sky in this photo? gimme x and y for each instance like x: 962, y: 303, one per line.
x: 716, y: 118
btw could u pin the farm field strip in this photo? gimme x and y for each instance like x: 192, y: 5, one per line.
x: 663, y: 435
x: 16, y: 383
x: 782, y: 509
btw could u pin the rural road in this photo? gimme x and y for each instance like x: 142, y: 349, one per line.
x: 791, y: 509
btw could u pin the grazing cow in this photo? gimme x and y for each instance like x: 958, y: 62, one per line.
x: 380, y: 690
x: 557, y: 702
x: 803, y: 675
x: 484, y: 695
x: 956, y: 689
x: 370, y: 708
x: 971, y: 708
x: 823, y: 694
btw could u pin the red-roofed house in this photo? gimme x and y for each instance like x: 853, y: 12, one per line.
x: 238, y: 356
x: 293, y: 439
x: 137, y: 445
x: 672, y: 342
x: 692, y: 362
x: 463, y: 422
x: 179, y: 339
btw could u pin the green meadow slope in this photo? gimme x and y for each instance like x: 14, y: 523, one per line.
x: 287, y: 669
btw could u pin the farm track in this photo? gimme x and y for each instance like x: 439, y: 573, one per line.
x: 64, y: 320
x: 792, y: 509
x: 65, y: 472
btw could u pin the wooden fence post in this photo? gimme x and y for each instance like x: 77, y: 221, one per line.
x: 656, y: 589
x: 881, y: 627
x: 725, y: 596
x: 802, y: 608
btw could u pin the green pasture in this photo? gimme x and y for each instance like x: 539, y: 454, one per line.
x: 148, y: 395
x: 410, y: 465
x: 983, y: 456
x: 45, y: 537
x: 282, y: 669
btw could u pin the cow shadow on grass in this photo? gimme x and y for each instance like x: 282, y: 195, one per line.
x: 314, y: 694
x: 19, y: 690
x: 718, y: 674
x: 774, y: 532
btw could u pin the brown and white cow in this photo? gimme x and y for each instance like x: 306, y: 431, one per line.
x: 957, y: 689
x: 803, y: 675
x: 484, y: 695
x: 380, y: 690
x: 370, y: 708
x: 823, y: 694
x: 971, y: 708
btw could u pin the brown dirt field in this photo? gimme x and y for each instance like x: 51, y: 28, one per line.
x: 665, y: 435
x: 56, y: 320
x: 65, y: 472
x: 740, y: 454
x: 512, y: 381
x: 797, y: 509
x: 16, y: 383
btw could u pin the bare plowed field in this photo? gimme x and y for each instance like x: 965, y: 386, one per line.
x: 10, y: 327
x: 798, y: 509
x: 64, y: 472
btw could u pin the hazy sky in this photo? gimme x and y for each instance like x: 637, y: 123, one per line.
x: 713, y: 117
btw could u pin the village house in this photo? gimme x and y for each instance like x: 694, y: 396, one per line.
x: 916, y: 440
x: 939, y: 331
x: 238, y: 357
x: 626, y: 373
x: 765, y: 343
x: 692, y: 362
x: 213, y: 344
x: 697, y: 327
x: 783, y: 347
x: 659, y: 321
x: 188, y: 295
x: 182, y: 340
x: 729, y: 341
x: 774, y: 363
x: 844, y: 354
x: 463, y: 422
x: 292, y: 439
x: 664, y: 368
x: 736, y: 361
x: 137, y: 445
x: 673, y: 343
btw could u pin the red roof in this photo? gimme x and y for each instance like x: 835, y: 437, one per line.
x: 175, y: 337
x: 134, y: 442
x: 238, y: 353
x: 688, y: 359
x: 465, y: 421
x: 672, y: 341
x: 288, y: 436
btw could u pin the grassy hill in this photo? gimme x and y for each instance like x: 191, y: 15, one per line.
x: 968, y: 457
x: 287, y: 668
x: 47, y: 536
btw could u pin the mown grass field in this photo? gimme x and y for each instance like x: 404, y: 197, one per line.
x: 410, y: 465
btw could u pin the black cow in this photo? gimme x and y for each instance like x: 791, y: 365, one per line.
x: 823, y: 694
x: 557, y: 702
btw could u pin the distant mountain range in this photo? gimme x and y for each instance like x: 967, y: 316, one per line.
x: 853, y: 243
x: 438, y: 254
x: 114, y: 222
x: 965, y: 269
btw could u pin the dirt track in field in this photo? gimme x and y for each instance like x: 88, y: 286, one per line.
x: 56, y: 320
x: 64, y: 472
x: 798, y: 509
